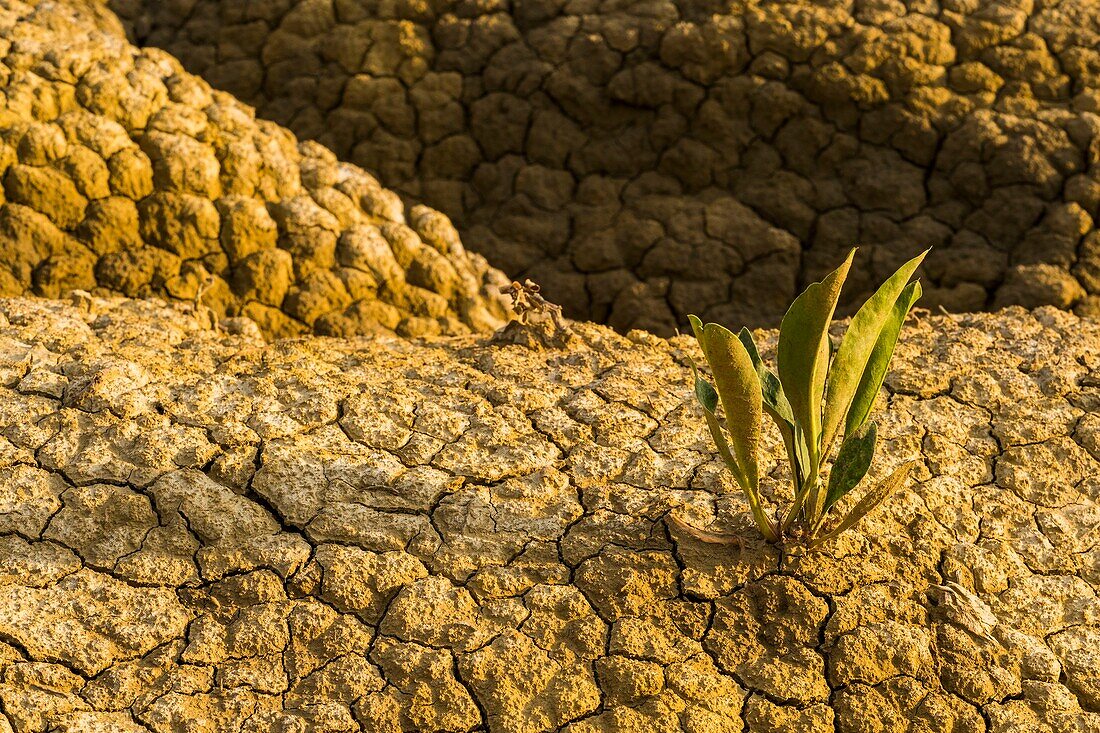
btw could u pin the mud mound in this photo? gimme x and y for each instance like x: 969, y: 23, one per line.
x: 124, y: 174
x: 201, y: 532
x: 643, y: 160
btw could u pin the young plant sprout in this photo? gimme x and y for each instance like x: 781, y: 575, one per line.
x: 817, y: 393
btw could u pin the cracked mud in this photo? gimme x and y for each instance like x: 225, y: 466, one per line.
x: 123, y: 174
x: 204, y: 532
x: 647, y: 159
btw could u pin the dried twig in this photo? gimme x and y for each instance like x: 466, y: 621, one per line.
x: 537, y: 319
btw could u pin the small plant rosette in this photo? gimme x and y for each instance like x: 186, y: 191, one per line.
x: 817, y: 394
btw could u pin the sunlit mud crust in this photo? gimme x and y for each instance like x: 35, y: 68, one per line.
x: 124, y: 174
x: 202, y: 531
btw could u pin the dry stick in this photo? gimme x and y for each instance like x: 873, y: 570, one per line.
x: 531, y: 307
x: 712, y: 538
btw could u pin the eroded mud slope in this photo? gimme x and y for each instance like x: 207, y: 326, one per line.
x: 648, y: 159
x: 122, y: 173
x: 203, y: 532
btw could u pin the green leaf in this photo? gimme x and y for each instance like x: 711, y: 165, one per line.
x: 777, y: 407
x: 870, y: 500
x: 857, y: 347
x: 708, y: 398
x: 875, y: 373
x: 705, y: 393
x: 803, y: 353
x: 697, y: 328
x: 801, y: 451
x: 852, y: 462
x: 740, y: 393
x: 774, y: 399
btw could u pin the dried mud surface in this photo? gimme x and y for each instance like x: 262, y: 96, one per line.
x: 121, y: 173
x: 647, y: 159
x: 204, y: 532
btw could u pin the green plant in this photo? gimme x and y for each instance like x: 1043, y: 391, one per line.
x: 818, y: 391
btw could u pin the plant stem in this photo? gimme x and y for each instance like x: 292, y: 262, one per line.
x: 799, y: 501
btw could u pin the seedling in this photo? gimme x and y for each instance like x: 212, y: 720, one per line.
x: 818, y: 391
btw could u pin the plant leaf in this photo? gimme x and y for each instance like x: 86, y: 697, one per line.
x: 858, y: 345
x: 739, y: 390
x: 803, y: 352
x: 697, y: 328
x: 801, y: 451
x: 703, y: 390
x: 875, y: 373
x: 705, y: 393
x: 777, y: 407
x: 852, y: 462
x: 708, y: 397
x: 870, y: 500
x: 772, y: 389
